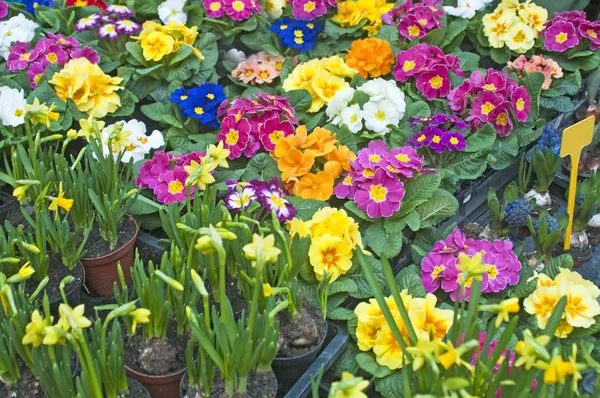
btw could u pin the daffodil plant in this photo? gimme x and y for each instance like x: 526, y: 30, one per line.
x: 459, y: 356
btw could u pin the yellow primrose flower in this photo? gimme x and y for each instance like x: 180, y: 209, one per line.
x: 568, y: 276
x: 563, y: 330
x: 530, y: 349
x: 299, y: 227
x: 336, y: 65
x: 302, y: 75
x: 60, y: 201
x: 92, y: 91
x: 263, y: 248
x: 34, y: 331
x: 428, y: 319
x: 156, y: 45
x: 496, y: 28
x: 351, y: 387
x: 40, y: 113
x: 534, y: 16
x: 24, y: 273
x: 267, y: 290
x: 520, y: 37
x: 387, y: 350
x: 581, y: 308
x: 326, y: 84
x: 139, y: 316
x: 217, y: 155
x: 74, y: 317
x: 330, y: 254
x: 542, y: 303
x: 199, y: 174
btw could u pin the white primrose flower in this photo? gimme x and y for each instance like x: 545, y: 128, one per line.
x: 12, y: 111
x: 132, y: 140
x: 18, y: 28
x: 338, y: 103
x: 466, y: 8
x: 352, y: 117
x: 274, y: 8
x: 380, y: 89
x: 172, y: 10
x: 379, y: 114
x: 233, y: 55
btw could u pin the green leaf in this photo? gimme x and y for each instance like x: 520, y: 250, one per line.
x: 300, y: 100
x: 146, y: 8
x: 364, y: 290
x: 418, y: 190
x: 413, y: 220
x: 367, y: 362
x: 481, y: 139
x: 455, y: 28
x: 467, y: 166
x: 136, y: 52
x: 435, y: 37
x: 533, y: 83
x: 526, y: 135
x: 561, y: 104
x: 306, y: 208
x: 342, y: 285
x: 177, y: 138
x: 156, y: 111
x: 381, y: 242
x: 207, y: 44
x: 147, y: 71
x: 388, y: 33
x: 180, y: 55
x: 352, y: 208
x: 409, y: 278
x: 263, y: 167
x: 468, y: 61
x: 504, y: 150
x: 500, y: 55
x: 390, y: 386
x: 171, y: 120
x: 417, y: 109
x: 440, y: 207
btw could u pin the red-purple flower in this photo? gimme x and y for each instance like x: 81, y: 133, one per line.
x: 128, y: 27
x: 432, y: 270
x: 89, y: 53
x: 434, y: 83
x: 234, y: 135
x: 308, y: 9
x: 35, y: 73
x: 242, y: 198
x: 271, y: 196
x: 273, y: 130
x: 171, y: 187
x: 410, y: 28
x: 501, y: 120
x: 89, y: 22
x: 239, y: 10
x: 122, y: 11
x: 109, y: 31
x: 150, y: 171
x: 521, y: 103
x: 3, y: 9
x: 373, y: 157
x: 20, y: 56
x: 346, y: 188
x: 381, y: 196
x: 214, y: 8
x: 560, y: 36
x: 484, y: 104
x: 405, y: 160
x: 409, y: 63
x: 591, y: 31
x: 420, y: 139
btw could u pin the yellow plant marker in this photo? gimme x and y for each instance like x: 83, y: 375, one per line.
x: 574, y: 139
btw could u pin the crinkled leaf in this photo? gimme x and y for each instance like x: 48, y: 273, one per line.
x: 382, y: 242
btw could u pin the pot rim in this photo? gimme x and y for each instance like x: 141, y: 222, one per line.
x: 156, y: 379
x: 119, y: 250
x: 81, y: 282
x: 307, y: 353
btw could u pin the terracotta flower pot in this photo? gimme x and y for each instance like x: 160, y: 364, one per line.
x: 166, y: 386
x: 101, y: 272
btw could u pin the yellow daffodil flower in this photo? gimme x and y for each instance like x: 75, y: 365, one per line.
x: 530, y: 349
x: 60, y: 201
x: 199, y: 174
x: 34, y: 331
x: 217, y: 154
x: 350, y: 387
x: 139, y: 316
x: 262, y: 249
x: 24, y: 273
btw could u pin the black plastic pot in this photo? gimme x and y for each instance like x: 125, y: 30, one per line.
x: 335, y: 341
x: 72, y: 293
x: 149, y: 248
x: 184, y: 382
x: 7, y: 202
x: 133, y: 382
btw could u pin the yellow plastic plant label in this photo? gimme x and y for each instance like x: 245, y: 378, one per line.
x: 574, y: 139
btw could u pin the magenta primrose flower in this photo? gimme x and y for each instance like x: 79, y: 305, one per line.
x: 414, y: 20
x: 239, y: 10
x: 35, y: 73
x: 234, y: 135
x: 560, y: 36
x: 214, y: 8
x: 20, y: 57
x: 171, y: 187
x: 274, y: 130
x: 3, y: 9
x: 381, y: 196
x: 308, y: 9
x: 521, y: 103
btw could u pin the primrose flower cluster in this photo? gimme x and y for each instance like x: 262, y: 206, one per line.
x: 546, y: 66
x: 441, y: 267
x: 322, y: 78
x: 431, y: 324
x: 238, y: 10
x: 301, y: 35
x: 130, y: 138
x: 310, y: 163
x: 268, y: 194
x: 259, y: 68
x: 384, y: 108
x: 375, y: 180
x: 13, y: 30
x: 415, y: 19
x: 253, y: 124
x: 114, y: 22
x: 352, y: 13
x: 158, y: 41
x: 200, y: 103
x: 514, y: 25
x: 582, y: 301
x: 494, y: 98
x: 430, y: 68
x: 55, y: 49
x: 438, y: 132
x: 334, y: 236
x: 568, y: 28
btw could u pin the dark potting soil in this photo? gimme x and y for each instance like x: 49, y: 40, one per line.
x: 237, y: 300
x: 593, y: 236
x: 98, y: 247
x: 15, y: 216
x: 27, y: 386
x: 56, y: 273
x: 302, y: 333
x: 136, y: 389
x: 157, y: 357
x: 579, y: 256
x: 477, y: 231
x: 260, y: 385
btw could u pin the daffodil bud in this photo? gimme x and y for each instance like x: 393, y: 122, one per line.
x: 199, y: 283
x: 9, y: 260
x: 53, y: 137
x: 169, y: 281
x: 24, y: 273
x: 30, y: 248
x: 204, y: 245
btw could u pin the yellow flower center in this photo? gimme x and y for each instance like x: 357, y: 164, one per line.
x: 368, y: 173
x: 279, y: 65
x: 310, y: 26
x: 561, y: 37
x: 421, y: 138
x: 183, y: 97
x: 25, y: 57
x: 126, y: 23
x: 502, y: 119
x: 375, y: 158
x: 238, y: 6
x: 309, y: 6
x: 52, y: 58
x: 380, y: 115
x: 392, y: 169
x: 231, y: 138
x: 109, y: 28
x: 249, y: 73
x: 378, y: 193
x: 413, y: 31
x: 298, y: 33
x: 423, y: 21
x: 276, y: 200
x: 215, y: 6
x: 198, y: 110
x: 490, y: 87
x: 436, y: 139
x: 353, y: 118
x: 437, y: 271
x: 142, y: 140
x: 402, y: 158
x: 330, y: 257
x: 19, y: 112
x: 436, y: 82
x: 264, y: 74
x: 283, y: 27
x: 454, y: 141
x: 408, y: 65
x: 37, y: 78
x: 276, y: 136
x: 492, y: 271
x: 592, y: 34
x: 520, y: 105
x: 348, y: 180
x: 487, y: 108
x: 175, y: 187
x: 519, y: 37
x: 298, y: 40
x: 210, y: 96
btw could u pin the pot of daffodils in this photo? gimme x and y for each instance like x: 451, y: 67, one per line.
x: 105, y: 184
x: 155, y: 355
x: 233, y: 357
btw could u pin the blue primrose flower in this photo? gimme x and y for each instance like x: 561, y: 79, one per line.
x: 200, y: 103
x: 301, y: 35
x: 31, y: 5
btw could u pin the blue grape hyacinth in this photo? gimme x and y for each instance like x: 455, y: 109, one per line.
x: 549, y: 140
x: 517, y: 212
